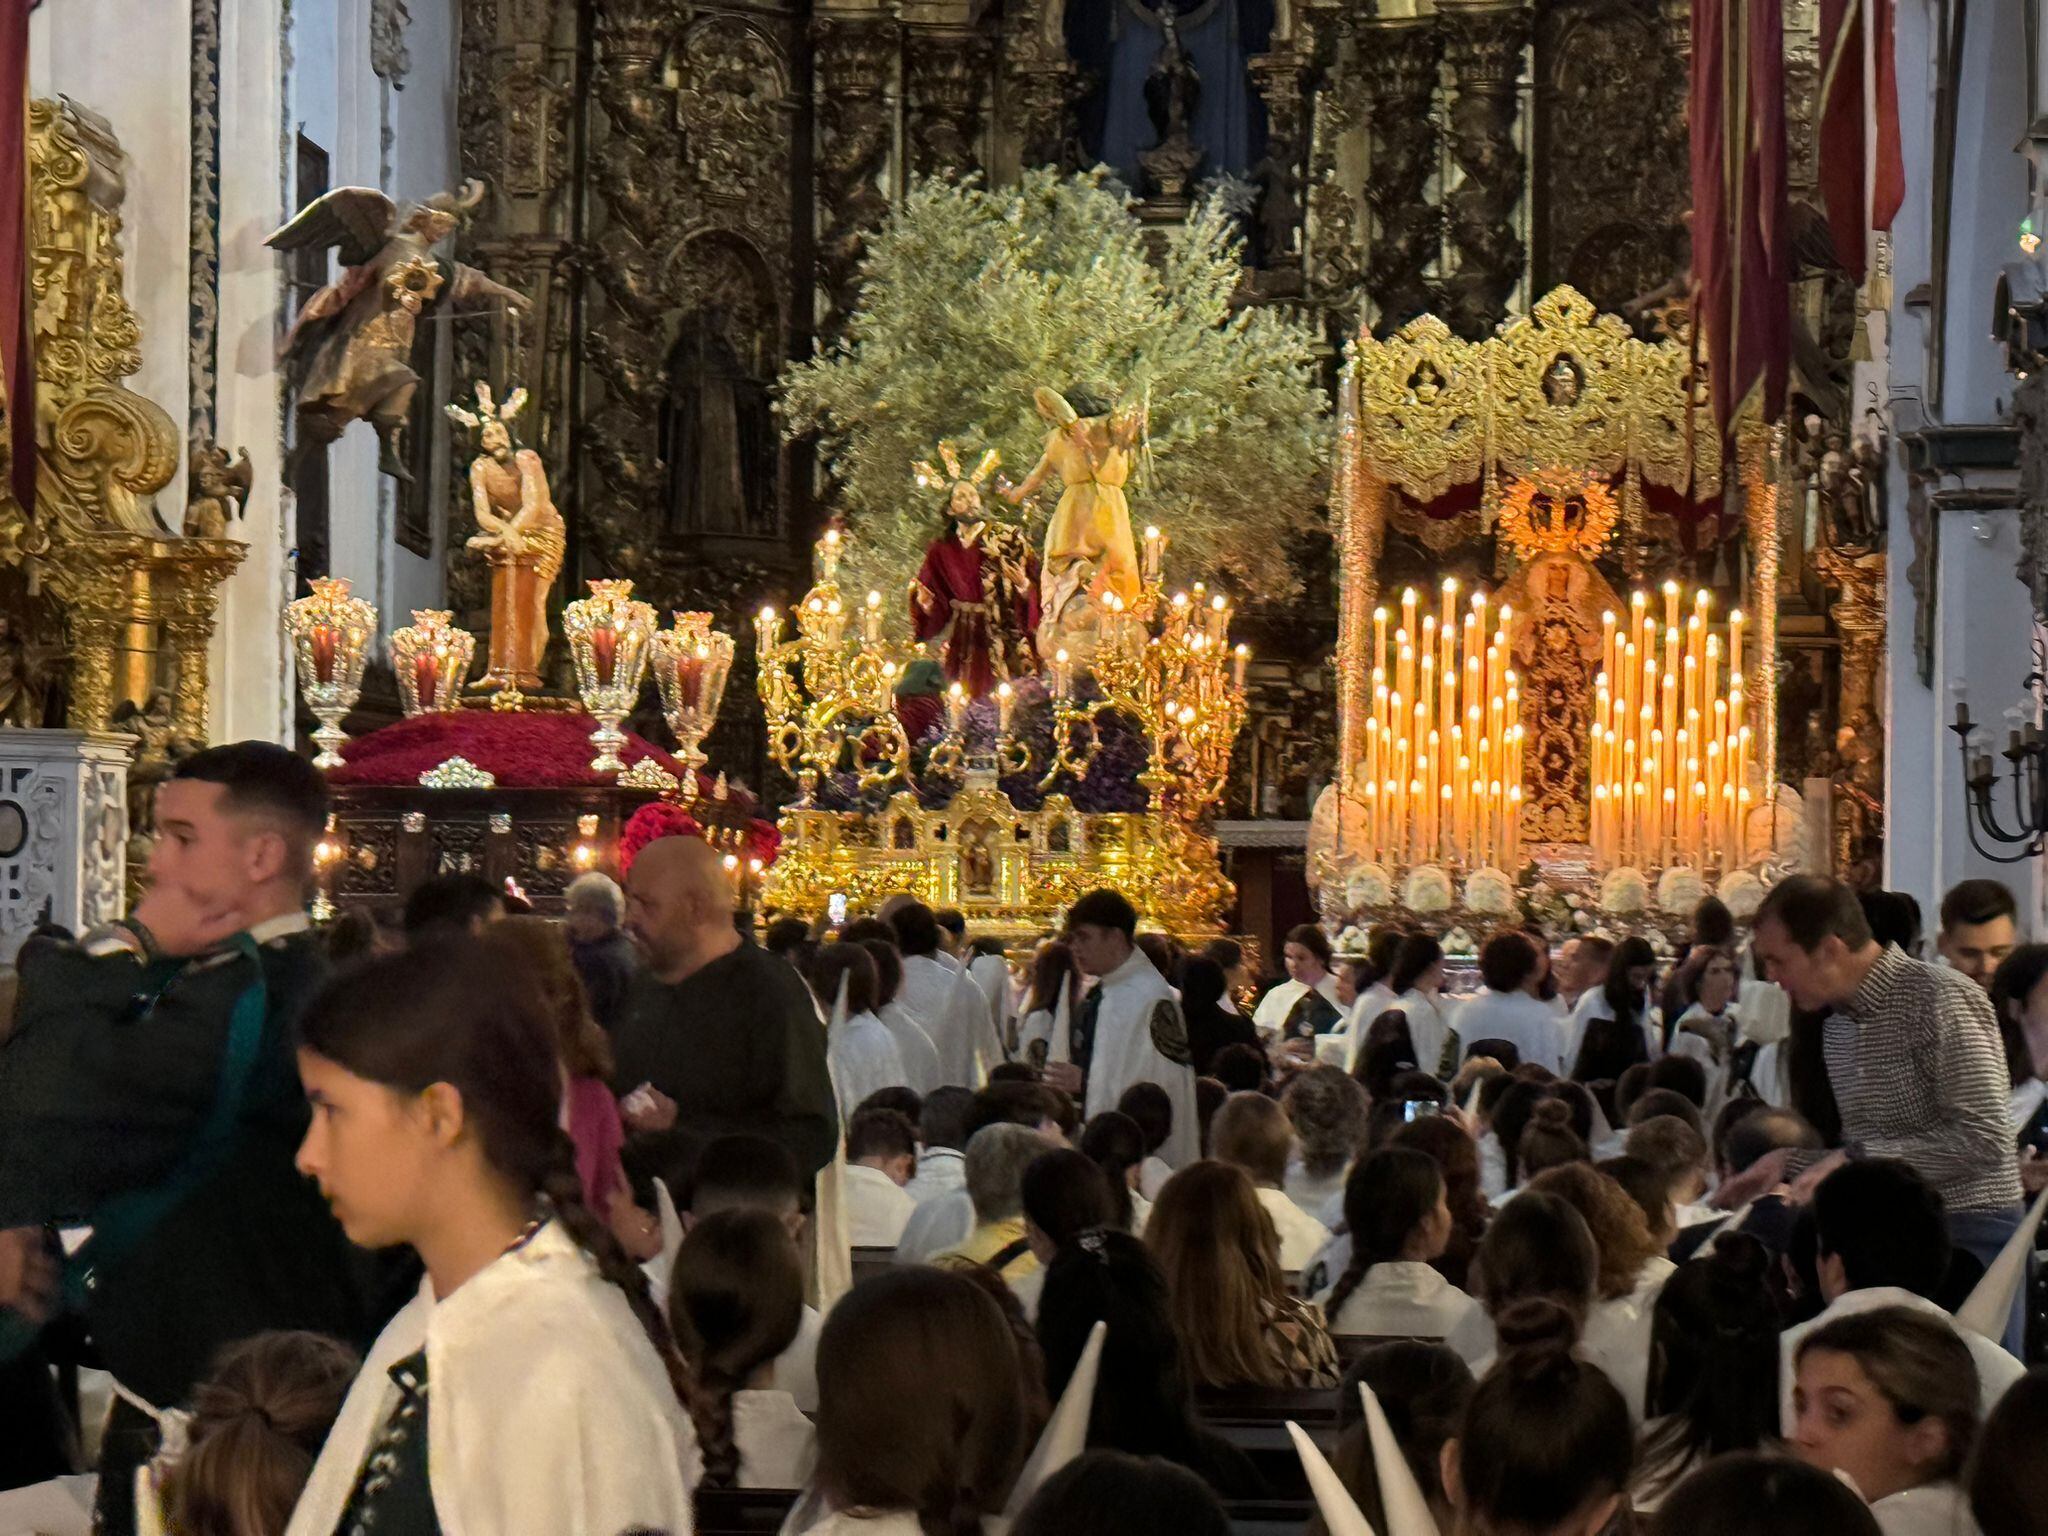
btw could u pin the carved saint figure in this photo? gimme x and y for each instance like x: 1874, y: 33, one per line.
x: 218, y: 490
x: 1089, y: 552
x: 978, y: 585
x: 522, y: 537
x: 358, y: 330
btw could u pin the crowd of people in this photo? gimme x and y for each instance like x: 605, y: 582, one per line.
x: 501, y: 1224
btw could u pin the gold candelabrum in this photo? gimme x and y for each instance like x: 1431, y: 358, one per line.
x: 691, y: 664
x: 609, y: 636
x: 1671, y: 744
x: 331, y: 633
x: 431, y: 658
x: 1164, y: 665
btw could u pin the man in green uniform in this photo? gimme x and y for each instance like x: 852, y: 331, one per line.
x: 149, y: 1093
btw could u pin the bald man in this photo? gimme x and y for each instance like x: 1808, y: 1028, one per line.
x: 716, y: 1036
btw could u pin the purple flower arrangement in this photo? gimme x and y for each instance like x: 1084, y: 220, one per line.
x: 1110, y: 785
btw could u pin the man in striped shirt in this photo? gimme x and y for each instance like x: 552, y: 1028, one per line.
x: 1913, y: 1055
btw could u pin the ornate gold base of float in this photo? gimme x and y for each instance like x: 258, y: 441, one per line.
x: 1012, y: 872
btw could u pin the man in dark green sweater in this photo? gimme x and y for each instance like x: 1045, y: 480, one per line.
x: 716, y: 1036
x: 149, y: 1092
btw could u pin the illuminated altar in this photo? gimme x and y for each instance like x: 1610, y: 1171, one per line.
x: 1554, y: 748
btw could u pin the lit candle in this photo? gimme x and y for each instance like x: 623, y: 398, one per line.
x: 426, y: 677
x: 325, y: 639
x: 1240, y: 659
x: 1062, y: 673
x: 1155, y: 549
x: 1004, y: 700
x: 956, y: 710
x: 767, y: 630
x: 871, y: 628
x: 604, y: 652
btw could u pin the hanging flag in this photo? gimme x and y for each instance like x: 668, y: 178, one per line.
x: 17, y: 358
x: 1861, y: 184
x: 1741, y: 265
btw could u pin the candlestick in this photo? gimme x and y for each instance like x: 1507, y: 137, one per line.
x: 331, y: 633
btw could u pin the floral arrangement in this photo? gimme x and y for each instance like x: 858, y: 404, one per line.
x: 974, y: 296
x: 1679, y: 889
x: 1624, y: 892
x: 657, y: 819
x: 1369, y: 886
x: 1742, y: 892
x: 1428, y: 889
x: 1490, y: 893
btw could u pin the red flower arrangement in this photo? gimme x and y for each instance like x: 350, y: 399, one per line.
x: 658, y: 819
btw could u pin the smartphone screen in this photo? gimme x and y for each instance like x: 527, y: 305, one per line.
x: 835, y: 909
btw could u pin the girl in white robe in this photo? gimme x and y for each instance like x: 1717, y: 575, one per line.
x: 737, y: 1300
x: 920, y: 1409
x: 531, y: 1385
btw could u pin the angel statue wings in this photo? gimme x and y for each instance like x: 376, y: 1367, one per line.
x: 978, y: 585
x: 1089, y: 552
x: 521, y: 535
x: 358, y: 330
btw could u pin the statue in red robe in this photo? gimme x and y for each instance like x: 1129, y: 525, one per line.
x: 978, y: 586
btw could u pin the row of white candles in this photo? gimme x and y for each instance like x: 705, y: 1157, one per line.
x: 1670, y: 745
x: 1443, y: 749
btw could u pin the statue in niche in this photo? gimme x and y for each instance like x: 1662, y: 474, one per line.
x: 719, y: 435
x: 358, y: 330
x: 219, y: 487
x: 1556, y: 647
x: 1172, y: 93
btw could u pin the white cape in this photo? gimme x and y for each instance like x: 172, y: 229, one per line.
x: 1127, y: 1050
x: 549, y: 1413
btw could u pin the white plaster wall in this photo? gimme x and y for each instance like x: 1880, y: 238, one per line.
x: 1982, y: 629
x: 130, y: 61
x: 252, y: 675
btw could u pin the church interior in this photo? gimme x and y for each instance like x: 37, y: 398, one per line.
x: 1294, y: 460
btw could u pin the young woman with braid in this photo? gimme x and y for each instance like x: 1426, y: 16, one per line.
x: 735, y: 1302
x: 1399, y: 1222
x: 532, y: 1385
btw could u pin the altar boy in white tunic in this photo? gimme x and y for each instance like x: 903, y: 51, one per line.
x: 531, y: 1386
x: 1129, y: 1029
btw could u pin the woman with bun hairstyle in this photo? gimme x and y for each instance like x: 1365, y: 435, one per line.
x: 532, y: 1384
x: 1713, y: 1386
x: 1549, y: 1141
x: 257, y: 1424
x: 1544, y: 1447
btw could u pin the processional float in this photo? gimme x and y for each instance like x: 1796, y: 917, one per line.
x: 1548, y: 748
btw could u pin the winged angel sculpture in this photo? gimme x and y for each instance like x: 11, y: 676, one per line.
x: 358, y: 330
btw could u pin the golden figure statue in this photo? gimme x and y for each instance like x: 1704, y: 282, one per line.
x: 359, y: 328
x: 1089, y: 552
x: 522, y: 537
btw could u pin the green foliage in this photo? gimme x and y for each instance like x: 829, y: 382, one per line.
x: 972, y: 297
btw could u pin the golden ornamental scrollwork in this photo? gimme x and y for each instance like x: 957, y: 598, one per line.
x: 136, y: 601
x: 1563, y: 387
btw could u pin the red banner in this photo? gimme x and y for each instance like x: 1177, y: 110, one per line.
x: 1859, y: 190
x: 17, y: 359
x: 1741, y: 264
